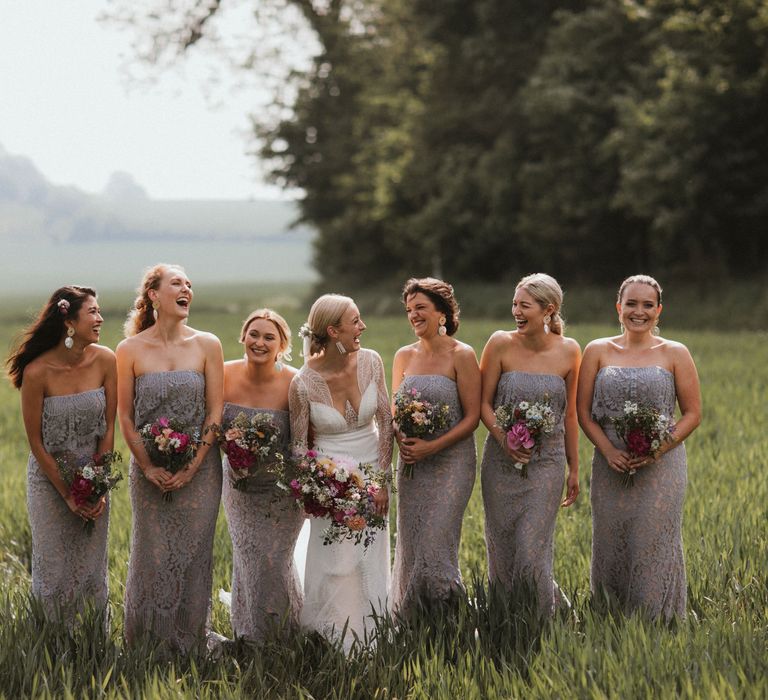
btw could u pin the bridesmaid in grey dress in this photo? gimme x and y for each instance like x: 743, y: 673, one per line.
x: 68, y: 400
x: 165, y: 368
x: 264, y: 522
x: 431, y: 503
x: 637, y: 548
x: 532, y: 363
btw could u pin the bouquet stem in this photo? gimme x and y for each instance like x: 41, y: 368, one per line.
x: 628, y: 478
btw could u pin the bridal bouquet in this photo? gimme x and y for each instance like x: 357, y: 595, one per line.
x: 169, y: 445
x: 249, y: 444
x: 416, y: 417
x: 526, y: 424
x: 89, y: 478
x: 643, y: 429
x: 331, y: 487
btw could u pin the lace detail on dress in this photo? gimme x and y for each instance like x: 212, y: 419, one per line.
x: 68, y: 566
x: 637, y: 548
x: 310, y: 401
x: 264, y: 528
x: 520, y: 513
x: 168, y: 589
x: 431, y: 507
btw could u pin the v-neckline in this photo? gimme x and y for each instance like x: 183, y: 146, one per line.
x: 348, y: 402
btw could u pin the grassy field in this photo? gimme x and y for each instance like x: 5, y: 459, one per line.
x: 485, y: 650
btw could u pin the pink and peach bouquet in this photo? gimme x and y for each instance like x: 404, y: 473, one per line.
x: 89, y: 478
x: 337, y: 488
x: 526, y: 424
x: 169, y: 445
x: 250, y: 445
x: 643, y: 429
x: 416, y: 417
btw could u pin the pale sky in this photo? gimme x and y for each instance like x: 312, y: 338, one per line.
x: 65, y: 104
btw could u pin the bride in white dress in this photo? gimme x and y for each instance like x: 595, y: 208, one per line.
x: 339, y: 406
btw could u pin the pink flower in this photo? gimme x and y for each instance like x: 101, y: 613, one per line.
x: 81, y: 490
x: 183, y: 439
x: 518, y: 436
x: 638, y: 443
x: 163, y: 422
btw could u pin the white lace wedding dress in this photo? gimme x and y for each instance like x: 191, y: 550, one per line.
x: 344, y: 583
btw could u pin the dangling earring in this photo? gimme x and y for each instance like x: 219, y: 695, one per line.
x: 68, y: 342
x: 340, y: 347
x: 155, y: 307
x: 621, y: 328
x: 278, y: 362
x: 547, y: 319
x: 441, y: 329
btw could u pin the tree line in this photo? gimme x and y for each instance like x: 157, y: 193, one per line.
x: 486, y: 139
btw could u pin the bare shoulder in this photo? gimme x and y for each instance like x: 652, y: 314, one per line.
x: 405, y: 353
x: 103, y: 354
x: 464, y: 350
x: 206, y: 339
x: 570, y: 347
x: 675, y: 350
x: 289, y: 372
x: 37, y: 370
x: 598, y: 346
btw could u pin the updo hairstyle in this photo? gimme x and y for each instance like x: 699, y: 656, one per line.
x: 326, y: 311
x: 140, y: 317
x: 545, y: 290
x: 440, y: 294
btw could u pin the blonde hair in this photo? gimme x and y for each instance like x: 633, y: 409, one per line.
x: 326, y: 311
x: 140, y: 317
x: 545, y: 290
x: 639, y: 279
x: 283, y: 329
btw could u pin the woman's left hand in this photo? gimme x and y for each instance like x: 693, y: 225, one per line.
x: 415, y: 449
x: 572, y: 486
x: 635, y: 463
x: 381, y: 501
x: 181, y: 478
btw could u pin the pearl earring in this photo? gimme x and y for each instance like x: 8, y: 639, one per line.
x: 68, y: 342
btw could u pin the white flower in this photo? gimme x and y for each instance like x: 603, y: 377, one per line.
x: 655, y: 445
x: 306, y: 488
x: 88, y: 473
x: 533, y: 414
x: 341, y: 475
x: 630, y: 407
x: 523, y: 405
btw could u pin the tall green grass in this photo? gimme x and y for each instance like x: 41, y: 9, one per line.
x: 486, y: 647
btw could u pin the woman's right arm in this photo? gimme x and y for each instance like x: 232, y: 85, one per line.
x: 490, y: 371
x: 125, y: 416
x: 617, y: 459
x: 32, y: 396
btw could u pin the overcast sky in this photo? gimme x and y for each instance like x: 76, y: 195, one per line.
x: 65, y: 104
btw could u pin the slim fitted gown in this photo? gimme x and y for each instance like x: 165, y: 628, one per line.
x: 520, y: 513
x: 431, y: 507
x: 69, y: 567
x: 637, y: 545
x: 264, y: 524
x: 168, y: 589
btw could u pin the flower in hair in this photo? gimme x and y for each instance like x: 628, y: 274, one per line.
x: 63, y: 305
x: 305, y: 331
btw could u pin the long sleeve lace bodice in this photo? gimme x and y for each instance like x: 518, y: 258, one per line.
x: 311, y: 405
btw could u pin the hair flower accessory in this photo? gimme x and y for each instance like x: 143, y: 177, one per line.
x: 63, y: 305
x: 305, y: 331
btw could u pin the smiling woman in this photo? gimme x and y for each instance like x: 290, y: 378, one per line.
x: 68, y: 399
x: 168, y: 371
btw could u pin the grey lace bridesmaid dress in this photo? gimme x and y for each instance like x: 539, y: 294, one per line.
x: 520, y: 513
x: 264, y: 524
x: 431, y: 507
x: 168, y: 589
x: 637, y: 545
x: 69, y: 567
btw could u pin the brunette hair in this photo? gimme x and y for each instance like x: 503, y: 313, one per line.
x: 440, y: 294
x: 283, y: 329
x: 545, y: 290
x: 326, y: 311
x: 639, y: 279
x: 47, y: 329
x: 140, y: 317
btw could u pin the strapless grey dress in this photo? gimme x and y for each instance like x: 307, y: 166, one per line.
x: 637, y: 544
x: 168, y: 589
x: 264, y: 524
x: 69, y: 567
x: 430, y: 508
x: 520, y: 513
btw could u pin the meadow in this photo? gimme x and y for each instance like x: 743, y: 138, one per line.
x: 487, y: 648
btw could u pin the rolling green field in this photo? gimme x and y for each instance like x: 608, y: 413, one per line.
x: 485, y: 650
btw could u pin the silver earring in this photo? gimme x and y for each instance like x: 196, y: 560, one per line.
x: 279, y: 362
x: 547, y: 319
x: 621, y: 328
x: 441, y: 329
x: 340, y: 347
x: 155, y: 307
x: 68, y: 342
